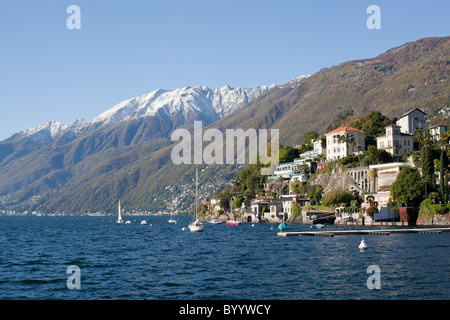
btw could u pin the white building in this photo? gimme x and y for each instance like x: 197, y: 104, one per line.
x: 395, y: 142
x: 259, y: 207
x: 411, y: 121
x: 317, y: 150
x: 298, y: 170
x: 337, y: 149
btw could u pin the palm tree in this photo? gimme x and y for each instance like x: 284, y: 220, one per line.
x: 347, y: 138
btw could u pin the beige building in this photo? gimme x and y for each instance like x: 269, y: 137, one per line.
x: 382, y: 178
x: 437, y: 131
x: 394, y: 141
x: 337, y: 149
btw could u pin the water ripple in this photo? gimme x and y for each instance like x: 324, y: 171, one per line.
x: 243, y: 262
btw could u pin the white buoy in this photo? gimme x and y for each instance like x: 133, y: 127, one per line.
x: 362, y: 245
x: 183, y: 229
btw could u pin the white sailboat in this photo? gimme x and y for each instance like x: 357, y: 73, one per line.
x: 197, y: 225
x: 172, y: 220
x: 119, y: 216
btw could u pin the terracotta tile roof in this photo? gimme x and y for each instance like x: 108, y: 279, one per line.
x: 345, y: 128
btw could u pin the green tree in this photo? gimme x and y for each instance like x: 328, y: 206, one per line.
x: 238, y: 200
x: 426, y: 162
x: 375, y: 156
x: 443, y: 188
x: 296, y: 211
x: 337, y: 197
x: 288, y: 154
x: 346, y: 138
x: 408, y: 188
x: 224, y: 197
x: 446, y: 189
x: 314, y: 193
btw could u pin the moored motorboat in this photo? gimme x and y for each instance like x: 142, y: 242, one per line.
x: 233, y: 223
x: 215, y: 221
x: 172, y: 220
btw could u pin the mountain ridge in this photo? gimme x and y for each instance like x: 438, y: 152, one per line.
x: 47, y: 157
x: 141, y: 173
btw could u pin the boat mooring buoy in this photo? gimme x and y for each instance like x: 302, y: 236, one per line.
x: 362, y: 245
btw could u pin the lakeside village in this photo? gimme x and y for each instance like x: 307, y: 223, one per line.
x: 368, y: 171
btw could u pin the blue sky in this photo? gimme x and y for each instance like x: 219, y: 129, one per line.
x: 128, y: 48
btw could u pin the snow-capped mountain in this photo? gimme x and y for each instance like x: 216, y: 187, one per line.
x: 49, y: 131
x: 211, y: 104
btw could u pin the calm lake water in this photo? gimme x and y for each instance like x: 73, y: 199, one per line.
x: 225, y: 262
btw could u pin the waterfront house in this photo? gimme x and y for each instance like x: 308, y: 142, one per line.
x: 316, y: 152
x: 214, y: 205
x: 436, y: 132
x: 288, y: 200
x: 258, y: 206
x: 394, y: 141
x: 411, y: 121
x: 298, y: 170
x: 270, y: 209
x: 382, y: 177
x: 338, y: 148
x: 275, y: 211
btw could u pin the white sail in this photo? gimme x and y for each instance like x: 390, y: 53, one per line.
x: 119, y: 216
x: 197, y: 225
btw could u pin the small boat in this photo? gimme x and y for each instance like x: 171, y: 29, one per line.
x: 362, y: 245
x: 128, y: 222
x: 283, y: 226
x: 172, y: 220
x: 119, y: 216
x: 197, y: 225
x: 318, y: 226
x: 233, y: 223
x: 143, y: 222
x: 215, y: 221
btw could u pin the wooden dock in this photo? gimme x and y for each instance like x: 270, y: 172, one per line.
x: 362, y: 232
